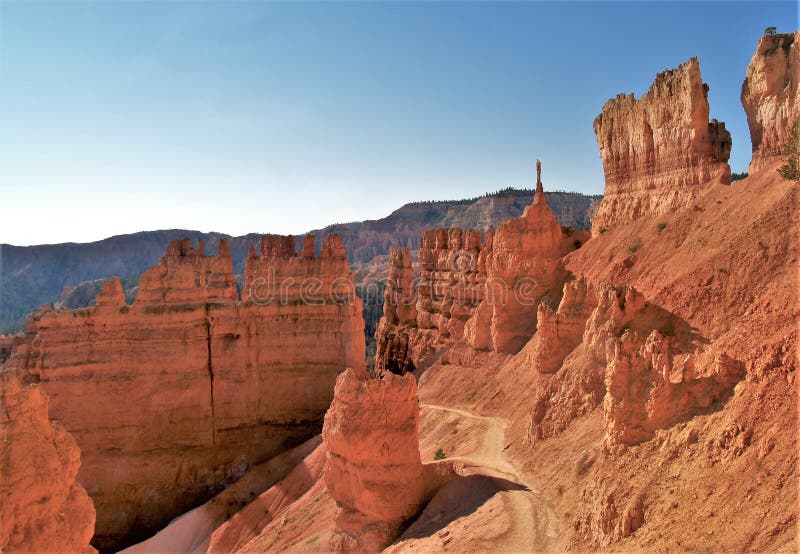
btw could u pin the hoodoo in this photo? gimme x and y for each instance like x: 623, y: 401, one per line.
x: 771, y: 96
x: 660, y: 151
x: 374, y: 470
x: 174, y: 397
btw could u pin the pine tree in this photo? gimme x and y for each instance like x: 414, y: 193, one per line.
x: 791, y: 169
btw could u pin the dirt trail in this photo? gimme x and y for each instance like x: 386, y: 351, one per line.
x: 535, y: 525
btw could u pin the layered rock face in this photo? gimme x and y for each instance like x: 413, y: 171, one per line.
x: 771, y: 96
x: 43, y: 507
x: 451, y: 281
x: 484, y: 293
x: 660, y: 151
x: 174, y: 397
x: 374, y: 471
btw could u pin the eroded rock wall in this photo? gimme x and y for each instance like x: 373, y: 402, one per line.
x: 42, y: 506
x: 639, y: 361
x: 485, y: 293
x: 660, y: 151
x: 174, y: 397
x: 771, y: 96
x: 398, y: 326
x: 650, y: 387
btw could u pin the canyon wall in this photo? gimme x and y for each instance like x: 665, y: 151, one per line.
x: 486, y: 292
x: 374, y: 470
x: 43, y: 507
x: 771, y: 96
x: 173, y: 397
x: 660, y: 151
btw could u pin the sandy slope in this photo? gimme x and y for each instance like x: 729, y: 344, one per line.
x: 191, y: 531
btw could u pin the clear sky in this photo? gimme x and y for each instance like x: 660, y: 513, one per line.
x: 264, y: 117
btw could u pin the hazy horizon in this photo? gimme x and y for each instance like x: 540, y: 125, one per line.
x: 282, y: 118
x: 531, y: 190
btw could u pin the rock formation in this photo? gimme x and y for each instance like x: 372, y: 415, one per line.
x: 43, y: 507
x: 598, y: 356
x: 649, y: 387
x: 559, y: 332
x: 398, y: 326
x: 452, y: 279
x: 771, y: 96
x: 607, y: 516
x: 7, y: 344
x: 174, y: 397
x: 485, y: 293
x: 660, y: 151
x: 523, y: 268
x: 374, y: 471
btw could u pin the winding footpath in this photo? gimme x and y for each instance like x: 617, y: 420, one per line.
x: 535, y: 525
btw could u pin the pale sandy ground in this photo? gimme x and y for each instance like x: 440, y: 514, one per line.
x: 491, y: 498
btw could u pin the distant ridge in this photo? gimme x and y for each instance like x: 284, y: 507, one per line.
x: 31, y: 276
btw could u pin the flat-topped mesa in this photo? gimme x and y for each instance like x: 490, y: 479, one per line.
x: 771, y: 96
x: 215, y: 383
x: 659, y: 152
x: 43, y: 507
x: 374, y: 470
x: 186, y: 275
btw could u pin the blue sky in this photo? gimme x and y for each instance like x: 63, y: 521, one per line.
x: 265, y: 117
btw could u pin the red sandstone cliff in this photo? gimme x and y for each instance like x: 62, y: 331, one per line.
x: 771, y: 96
x: 174, y: 397
x: 43, y: 507
x: 660, y: 151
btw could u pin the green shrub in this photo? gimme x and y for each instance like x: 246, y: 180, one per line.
x: 440, y: 455
x: 635, y: 245
x: 661, y: 227
x: 791, y: 169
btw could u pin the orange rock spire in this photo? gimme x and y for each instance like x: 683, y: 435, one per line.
x: 538, y: 196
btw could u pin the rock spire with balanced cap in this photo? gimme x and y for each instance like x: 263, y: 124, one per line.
x: 538, y: 196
